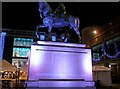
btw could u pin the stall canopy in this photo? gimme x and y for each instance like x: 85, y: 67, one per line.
x: 100, y: 68
x: 6, y: 66
x: 103, y: 74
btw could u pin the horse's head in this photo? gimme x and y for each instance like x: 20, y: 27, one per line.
x: 44, y: 9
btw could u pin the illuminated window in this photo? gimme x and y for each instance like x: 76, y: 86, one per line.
x: 20, y: 52
x: 21, y: 48
x: 23, y: 42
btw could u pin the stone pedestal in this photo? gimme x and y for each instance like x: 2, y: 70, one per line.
x: 57, y: 64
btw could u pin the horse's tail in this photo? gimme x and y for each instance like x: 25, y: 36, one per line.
x: 77, y: 23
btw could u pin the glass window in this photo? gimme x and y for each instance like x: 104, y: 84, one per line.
x: 23, y: 42
x: 96, y: 55
x: 19, y: 62
x: 112, y: 49
x: 20, y: 52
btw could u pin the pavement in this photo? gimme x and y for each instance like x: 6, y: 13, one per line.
x: 114, y: 86
x: 107, y: 88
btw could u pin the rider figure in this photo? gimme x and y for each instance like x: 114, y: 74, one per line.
x: 60, y: 10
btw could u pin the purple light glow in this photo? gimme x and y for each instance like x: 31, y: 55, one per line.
x: 53, y: 62
x: 60, y: 44
x: 87, y: 63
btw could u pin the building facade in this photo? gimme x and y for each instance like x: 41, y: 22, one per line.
x: 105, y: 45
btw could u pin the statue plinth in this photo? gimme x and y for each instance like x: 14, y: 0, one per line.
x: 58, y: 64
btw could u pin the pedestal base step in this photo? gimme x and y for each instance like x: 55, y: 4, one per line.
x: 61, y: 83
x: 61, y: 88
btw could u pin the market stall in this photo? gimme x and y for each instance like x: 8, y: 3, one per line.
x: 103, y: 75
x: 7, y: 74
x: 7, y: 70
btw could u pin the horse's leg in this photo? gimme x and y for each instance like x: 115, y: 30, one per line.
x: 76, y: 28
x: 49, y: 30
x: 66, y: 33
x: 37, y: 30
x: 78, y: 33
x: 79, y: 38
x: 67, y: 37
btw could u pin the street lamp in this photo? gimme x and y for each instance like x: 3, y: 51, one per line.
x: 95, y: 32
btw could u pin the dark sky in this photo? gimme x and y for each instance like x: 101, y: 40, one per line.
x: 25, y: 15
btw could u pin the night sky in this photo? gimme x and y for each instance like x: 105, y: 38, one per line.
x: 25, y: 15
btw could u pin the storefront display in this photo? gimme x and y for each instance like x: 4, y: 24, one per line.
x: 21, y: 47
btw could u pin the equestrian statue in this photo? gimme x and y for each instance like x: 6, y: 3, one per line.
x: 57, y: 19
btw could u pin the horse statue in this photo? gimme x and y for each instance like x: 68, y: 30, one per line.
x: 57, y: 19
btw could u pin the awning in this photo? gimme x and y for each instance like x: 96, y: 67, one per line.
x: 6, y: 66
x: 100, y: 68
